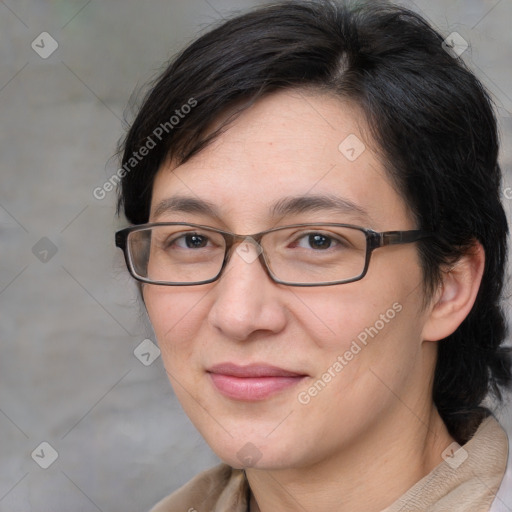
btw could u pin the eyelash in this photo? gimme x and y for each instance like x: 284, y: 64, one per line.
x: 333, y: 241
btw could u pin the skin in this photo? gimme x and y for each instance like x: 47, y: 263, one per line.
x: 345, y: 450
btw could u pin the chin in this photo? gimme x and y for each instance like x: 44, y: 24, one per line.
x: 256, y: 452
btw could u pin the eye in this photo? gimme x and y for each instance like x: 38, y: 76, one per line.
x: 190, y: 241
x: 317, y: 241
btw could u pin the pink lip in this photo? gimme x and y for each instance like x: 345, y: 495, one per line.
x: 252, y: 382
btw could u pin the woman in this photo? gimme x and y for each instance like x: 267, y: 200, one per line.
x: 313, y: 190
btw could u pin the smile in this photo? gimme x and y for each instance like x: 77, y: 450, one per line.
x: 253, y: 382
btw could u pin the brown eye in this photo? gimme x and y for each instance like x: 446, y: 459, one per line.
x: 194, y: 241
x: 318, y: 241
x: 188, y: 241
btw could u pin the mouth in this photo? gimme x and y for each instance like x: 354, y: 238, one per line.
x: 252, y: 382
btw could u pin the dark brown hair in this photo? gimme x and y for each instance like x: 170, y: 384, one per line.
x: 430, y: 116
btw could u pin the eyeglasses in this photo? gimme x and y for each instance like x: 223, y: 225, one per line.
x: 314, y: 254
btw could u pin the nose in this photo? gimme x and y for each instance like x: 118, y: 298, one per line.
x: 246, y: 300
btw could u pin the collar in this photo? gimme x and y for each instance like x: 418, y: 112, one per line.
x: 466, y: 487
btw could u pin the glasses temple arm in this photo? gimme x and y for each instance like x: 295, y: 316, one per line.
x: 402, y: 237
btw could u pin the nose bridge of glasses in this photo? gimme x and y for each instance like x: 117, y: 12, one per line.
x: 247, y: 247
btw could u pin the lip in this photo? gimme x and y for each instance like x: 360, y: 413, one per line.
x: 252, y: 382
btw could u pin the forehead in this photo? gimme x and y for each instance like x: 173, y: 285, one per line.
x: 290, y: 144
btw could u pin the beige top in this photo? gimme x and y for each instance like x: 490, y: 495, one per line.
x: 458, y: 484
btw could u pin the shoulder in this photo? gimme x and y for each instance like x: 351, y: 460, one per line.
x: 503, y: 499
x: 221, y: 483
x: 467, y: 480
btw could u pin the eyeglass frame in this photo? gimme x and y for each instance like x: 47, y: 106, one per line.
x: 374, y: 240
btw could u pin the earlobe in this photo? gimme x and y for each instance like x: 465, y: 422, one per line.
x: 456, y: 295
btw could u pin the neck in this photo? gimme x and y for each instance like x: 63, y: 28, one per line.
x: 367, y: 476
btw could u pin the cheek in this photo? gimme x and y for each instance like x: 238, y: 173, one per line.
x: 333, y: 318
x: 373, y: 323
x: 176, y: 317
x: 371, y: 352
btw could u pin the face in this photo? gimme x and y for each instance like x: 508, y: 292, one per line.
x: 278, y: 376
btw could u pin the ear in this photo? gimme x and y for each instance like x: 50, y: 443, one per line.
x: 456, y: 295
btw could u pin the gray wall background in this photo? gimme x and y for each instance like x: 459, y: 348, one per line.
x: 70, y: 320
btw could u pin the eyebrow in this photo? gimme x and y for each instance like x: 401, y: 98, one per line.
x: 282, y: 208
x: 314, y: 203
x: 183, y: 204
